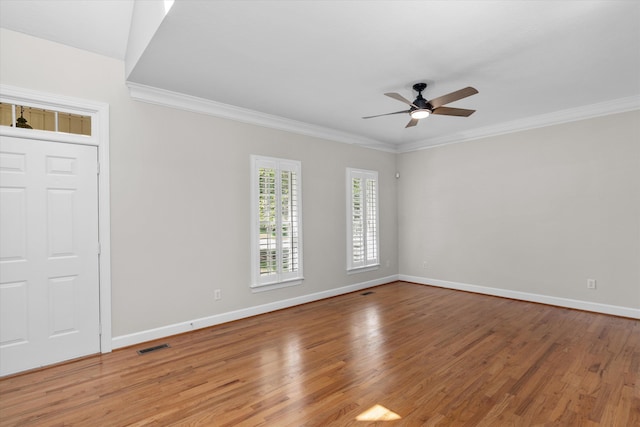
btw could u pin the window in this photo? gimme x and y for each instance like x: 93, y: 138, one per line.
x: 276, y: 218
x: 26, y: 117
x: 362, y: 219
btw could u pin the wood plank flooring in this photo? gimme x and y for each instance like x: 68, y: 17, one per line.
x: 425, y: 356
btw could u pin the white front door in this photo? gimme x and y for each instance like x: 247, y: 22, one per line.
x: 49, y: 287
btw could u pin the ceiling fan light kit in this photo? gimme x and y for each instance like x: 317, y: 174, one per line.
x: 420, y: 114
x: 420, y: 108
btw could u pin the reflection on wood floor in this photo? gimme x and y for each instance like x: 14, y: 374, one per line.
x: 410, y: 354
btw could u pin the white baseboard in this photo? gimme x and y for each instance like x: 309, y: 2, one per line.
x: 216, y: 319
x: 633, y: 313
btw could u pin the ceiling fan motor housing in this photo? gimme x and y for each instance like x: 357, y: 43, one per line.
x: 420, y: 102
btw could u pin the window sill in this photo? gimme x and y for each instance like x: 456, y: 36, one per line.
x: 363, y: 269
x: 278, y: 285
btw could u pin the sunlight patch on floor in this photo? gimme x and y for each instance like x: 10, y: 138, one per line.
x: 378, y: 413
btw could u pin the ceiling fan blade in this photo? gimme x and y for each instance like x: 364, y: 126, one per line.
x: 412, y: 122
x: 388, y: 114
x: 448, y: 111
x: 400, y: 98
x: 453, y: 96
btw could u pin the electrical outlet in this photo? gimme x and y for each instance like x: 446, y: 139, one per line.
x: 424, y: 264
x: 217, y: 295
x: 591, y: 283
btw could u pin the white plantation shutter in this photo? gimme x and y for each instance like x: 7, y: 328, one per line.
x: 276, y: 222
x: 289, y: 229
x: 362, y: 219
x: 371, y: 204
x: 357, y: 222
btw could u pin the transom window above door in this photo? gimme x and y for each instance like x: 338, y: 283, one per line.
x: 30, y: 117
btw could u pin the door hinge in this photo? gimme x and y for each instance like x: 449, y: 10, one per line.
x: 99, y: 248
x: 98, y: 169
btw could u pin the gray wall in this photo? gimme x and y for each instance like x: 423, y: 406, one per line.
x: 537, y: 211
x: 180, y: 195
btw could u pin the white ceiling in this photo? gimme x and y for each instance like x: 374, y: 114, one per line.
x: 100, y: 26
x: 328, y: 63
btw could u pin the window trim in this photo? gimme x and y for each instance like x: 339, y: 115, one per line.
x: 280, y: 279
x: 371, y: 264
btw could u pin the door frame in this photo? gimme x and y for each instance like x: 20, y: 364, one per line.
x: 99, y: 138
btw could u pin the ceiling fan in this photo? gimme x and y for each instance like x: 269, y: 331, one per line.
x: 421, y: 108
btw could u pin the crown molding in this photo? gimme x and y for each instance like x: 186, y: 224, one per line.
x: 195, y: 104
x: 548, y: 119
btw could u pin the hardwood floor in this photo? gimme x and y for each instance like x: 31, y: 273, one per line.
x: 429, y: 356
